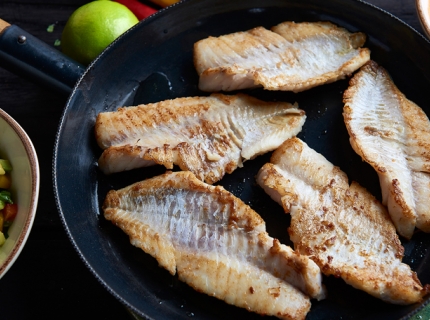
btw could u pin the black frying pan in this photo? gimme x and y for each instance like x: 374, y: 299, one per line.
x: 153, y: 62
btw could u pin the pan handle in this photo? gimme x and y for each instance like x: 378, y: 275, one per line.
x: 26, y: 56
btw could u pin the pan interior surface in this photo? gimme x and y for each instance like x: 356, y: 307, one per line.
x: 153, y: 62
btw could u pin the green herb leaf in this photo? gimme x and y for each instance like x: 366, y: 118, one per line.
x: 5, y: 197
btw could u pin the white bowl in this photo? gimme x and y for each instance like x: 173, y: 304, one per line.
x: 423, y: 10
x: 17, y: 147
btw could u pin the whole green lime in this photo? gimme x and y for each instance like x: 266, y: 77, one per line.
x: 92, y: 27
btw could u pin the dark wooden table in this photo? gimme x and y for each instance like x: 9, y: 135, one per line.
x: 49, y: 280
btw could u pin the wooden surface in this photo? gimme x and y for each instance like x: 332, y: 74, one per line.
x: 49, y: 281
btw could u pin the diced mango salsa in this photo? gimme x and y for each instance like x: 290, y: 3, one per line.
x: 8, y: 209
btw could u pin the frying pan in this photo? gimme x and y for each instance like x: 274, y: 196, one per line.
x: 153, y: 62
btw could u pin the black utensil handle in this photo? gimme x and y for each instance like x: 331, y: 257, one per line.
x: 26, y: 56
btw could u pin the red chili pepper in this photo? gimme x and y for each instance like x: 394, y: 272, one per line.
x: 140, y: 10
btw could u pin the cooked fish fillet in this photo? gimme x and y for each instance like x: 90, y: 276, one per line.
x: 208, y: 136
x: 215, y: 243
x: 291, y: 57
x: 392, y: 134
x: 342, y: 227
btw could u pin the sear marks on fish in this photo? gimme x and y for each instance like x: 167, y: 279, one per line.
x: 290, y: 57
x: 215, y: 243
x: 392, y: 134
x: 342, y: 227
x: 209, y: 136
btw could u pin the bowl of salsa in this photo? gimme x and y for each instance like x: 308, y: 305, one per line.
x: 19, y: 189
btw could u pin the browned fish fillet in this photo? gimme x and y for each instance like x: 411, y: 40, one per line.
x: 291, y: 57
x: 215, y: 243
x: 209, y: 136
x: 392, y: 134
x: 342, y: 227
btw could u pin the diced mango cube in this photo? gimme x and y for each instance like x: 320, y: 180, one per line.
x: 5, y: 181
x: 2, y: 238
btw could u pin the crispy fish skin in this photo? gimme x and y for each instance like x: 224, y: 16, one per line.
x: 215, y: 243
x: 342, y: 227
x: 209, y: 136
x: 392, y: 134
x: 290, y: 57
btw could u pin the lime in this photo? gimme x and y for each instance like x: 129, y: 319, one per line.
x: 92, y: 27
